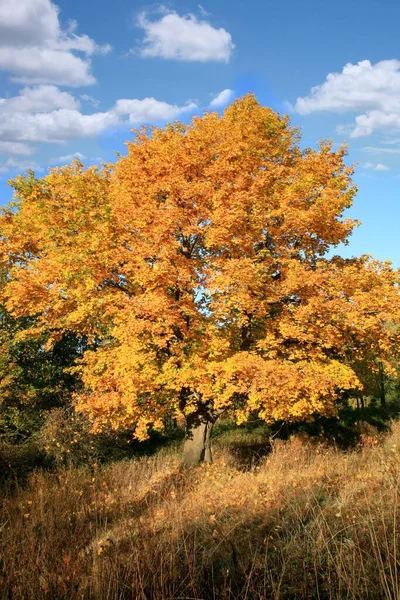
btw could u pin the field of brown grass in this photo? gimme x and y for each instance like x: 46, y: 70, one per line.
x: 307, y: 521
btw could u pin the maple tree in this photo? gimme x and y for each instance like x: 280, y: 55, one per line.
x: 198, y: 263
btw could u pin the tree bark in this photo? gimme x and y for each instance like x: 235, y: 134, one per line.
x: 382, y: 391
x: 197, y: 445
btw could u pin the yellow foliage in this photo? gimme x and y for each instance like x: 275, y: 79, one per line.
x: 197, y: 263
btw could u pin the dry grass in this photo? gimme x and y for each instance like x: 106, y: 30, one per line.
x: 308, y: 521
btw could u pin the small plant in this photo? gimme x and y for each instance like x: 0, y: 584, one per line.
x: 66, y: 436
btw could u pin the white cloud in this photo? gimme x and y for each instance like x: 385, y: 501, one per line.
x: 373, y: 90
x: 184, y: 38
x: 42, y: 98
x: 222, y: 99
x: 58, y: 160
x: 379, y: 150
x: 344, y: 129
x: 358, y: 87
x: 11, y: 165
x: 67, y: 158
x: 150, y: 110
x: 376, y: 166
x: 28, y: 22
x: 391, y: 141
x: 203, y: 11
x: 42, y: 65
x: 15, y: 148
x: 376, y: 120
x: 55, y: 126
x: 90, y: 99
x: 35, y: 49
x: 45, y: 114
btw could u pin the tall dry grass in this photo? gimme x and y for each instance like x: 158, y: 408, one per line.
x: 307, y: 521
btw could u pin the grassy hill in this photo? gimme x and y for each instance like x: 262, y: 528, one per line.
x: 307, y: 520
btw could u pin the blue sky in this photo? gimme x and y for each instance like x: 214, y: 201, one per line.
x: 75, y: 77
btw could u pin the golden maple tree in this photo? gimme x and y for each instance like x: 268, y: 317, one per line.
x: 199, y: 264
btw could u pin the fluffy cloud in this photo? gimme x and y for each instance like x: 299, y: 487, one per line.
x: 150, y: 109
x: 67, y: 158
x: 18, y: 166
x: 15, y: 148
x: 45, y: 114
x: 58, y: 160
x: 358, y: 87
x: 42, y: 98
x: 35, y: 49
x: 222, y: 99
x: 40, y: 65
x: 55, y: 126
x: 376, y: 120
x: 184, y: 38
x: 373, y: 90
x: 376, y: 166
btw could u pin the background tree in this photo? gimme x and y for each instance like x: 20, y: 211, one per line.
x: 199, y: 262
x: 34, y: 378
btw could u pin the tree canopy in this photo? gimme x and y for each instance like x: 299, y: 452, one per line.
x: 200, y: 265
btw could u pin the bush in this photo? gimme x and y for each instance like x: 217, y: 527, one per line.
x: 66, y: 436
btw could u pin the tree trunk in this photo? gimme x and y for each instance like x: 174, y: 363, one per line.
x: 197, y: 446
x: 382, y: 391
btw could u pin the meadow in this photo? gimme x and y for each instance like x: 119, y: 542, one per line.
x: 303, y: 517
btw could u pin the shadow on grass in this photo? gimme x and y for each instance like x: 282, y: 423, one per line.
x: 17, y: 461
x: 249, y: 443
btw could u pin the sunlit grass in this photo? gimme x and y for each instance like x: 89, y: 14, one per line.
x: 305, y: 521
